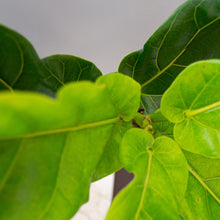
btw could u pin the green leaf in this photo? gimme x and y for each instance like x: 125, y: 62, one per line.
x: 118, y: 87
x: 49, y: 149
x: 190, y: 34
x: 160, y: 178
x: 202, y: 200
x: 127, y: 65
x: 193, y: 104
x: 160, y: 125
x: 22, y: 69
x: 150, y: 103
x: 68, y: 68
x: 110, y: 161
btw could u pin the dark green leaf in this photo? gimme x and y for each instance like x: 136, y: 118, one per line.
x: 160, y: 125
x: 160, y: 179
x: 22, y: 69
x: 193, y: 104
x: 49, y: 149
x: 190, y: 34
x: 127, y: 65
x: 150, y: 103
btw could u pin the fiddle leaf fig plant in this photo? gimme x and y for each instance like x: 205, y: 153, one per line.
x: 63, y: 125
x: 160, y: 166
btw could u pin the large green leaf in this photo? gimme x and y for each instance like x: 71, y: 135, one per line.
x: 190, y: 34
x: 193, y: 104
x: 49, y: 149
x: 202, y: 200
x: 160, y: 179
x: 22, y: 69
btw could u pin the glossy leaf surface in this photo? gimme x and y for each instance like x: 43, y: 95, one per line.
x: 193, y: 104
x: 22, y: 69
x: 190, y: 34
x: 160, y: 178
x: 202, y: 200
x: 49, y: 149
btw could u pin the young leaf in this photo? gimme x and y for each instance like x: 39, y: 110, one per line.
x: 193, y: 104
x: 202, y: 200
x: 22, y: 69
x: 190, y: 34
x: 160, y: 178
x: 49, y: 149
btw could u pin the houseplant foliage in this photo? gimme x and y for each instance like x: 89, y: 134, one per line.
x: 64, y: 125
x: 189, y: 34
x: 159, y: 164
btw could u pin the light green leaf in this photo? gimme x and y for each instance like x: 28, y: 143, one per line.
x: 160, y: 178
x: 190, y: 34
x: 22, y: 69
x: 110, y: 161
x: 202, y: 200
x: 49, y: 149
x: 193, y: 104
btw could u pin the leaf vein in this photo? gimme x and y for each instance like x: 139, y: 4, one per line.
x: 67, y: 129
x: 163, y: 39
x: 180, y: 54
x: 22, y: 62
x: 145, y: 186
x: 47, y: 208
x: 6, y: 85
x: 199, y: 178
x: 12, y: 164
x: 203, y: 89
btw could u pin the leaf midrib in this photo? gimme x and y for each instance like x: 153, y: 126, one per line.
x: 80, y: 127
x: 56, y: 186
x: 63, y: 130
x: 145, y: 185
x: 199, y: 178
x: 182, y: 51
x: 191, y: 113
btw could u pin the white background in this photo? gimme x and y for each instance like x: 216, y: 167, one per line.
x: 98, y: 30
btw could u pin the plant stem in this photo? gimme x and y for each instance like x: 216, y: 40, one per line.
x: 191, y: 113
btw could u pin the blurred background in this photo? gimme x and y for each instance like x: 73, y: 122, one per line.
x: 100, y: 31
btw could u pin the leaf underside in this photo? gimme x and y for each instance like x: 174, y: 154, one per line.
x: 50, y: 149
